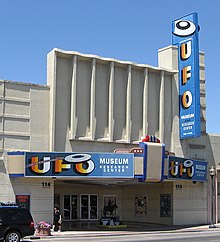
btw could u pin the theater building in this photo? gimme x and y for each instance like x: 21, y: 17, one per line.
x: 77, y: 141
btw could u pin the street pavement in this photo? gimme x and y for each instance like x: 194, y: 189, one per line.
x: 130, y: 230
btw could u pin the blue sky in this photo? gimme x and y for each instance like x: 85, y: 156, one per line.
x: 131, y: 30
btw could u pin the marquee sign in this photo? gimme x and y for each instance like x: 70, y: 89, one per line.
x: 185, y: 36
x: 187, y: 169
x: 49, y: 164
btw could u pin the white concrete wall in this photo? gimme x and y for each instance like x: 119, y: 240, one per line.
x: 152, y: 192
x: 106, y: 100
x: 24, y: 122
x: 41, y: 198
x: 190, y: 205
x: 24, y: 117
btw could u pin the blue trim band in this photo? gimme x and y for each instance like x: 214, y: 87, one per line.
x: 138, y: 155
x: 138, y: 176
x: 15, y: 153
x: 163, y: 163
x: 16, y: 175
x: 144, y: 146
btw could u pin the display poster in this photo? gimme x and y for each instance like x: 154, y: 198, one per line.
x: 110, y: 206
x: 140, y: 205
x: 23, y: 201
x: 165, y: 205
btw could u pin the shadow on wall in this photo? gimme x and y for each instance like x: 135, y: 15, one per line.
x: 2, y: 167
x: 213, y: 151
x: 204, y: 148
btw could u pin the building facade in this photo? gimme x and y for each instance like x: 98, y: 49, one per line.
x: 95, y: 105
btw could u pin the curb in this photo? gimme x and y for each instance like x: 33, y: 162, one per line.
x: 71, y: 234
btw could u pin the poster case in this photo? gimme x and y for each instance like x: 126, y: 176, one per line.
x: 23, y: 201
x: 165, y: 205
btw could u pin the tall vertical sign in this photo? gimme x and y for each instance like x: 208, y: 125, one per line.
x: 185, y: 36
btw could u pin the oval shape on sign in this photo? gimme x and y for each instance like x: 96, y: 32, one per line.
x: 188, y: 163
x: 184, y: 28
x: 77, y: 158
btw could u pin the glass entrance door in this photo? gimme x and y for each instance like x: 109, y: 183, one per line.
x: 70, y: 207
x: 88, y: 207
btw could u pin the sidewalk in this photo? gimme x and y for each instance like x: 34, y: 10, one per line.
x: 131, y: 229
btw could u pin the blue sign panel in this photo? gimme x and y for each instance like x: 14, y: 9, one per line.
x: 185, y: 36
x: 181, y: 168
x: 84, y: 165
